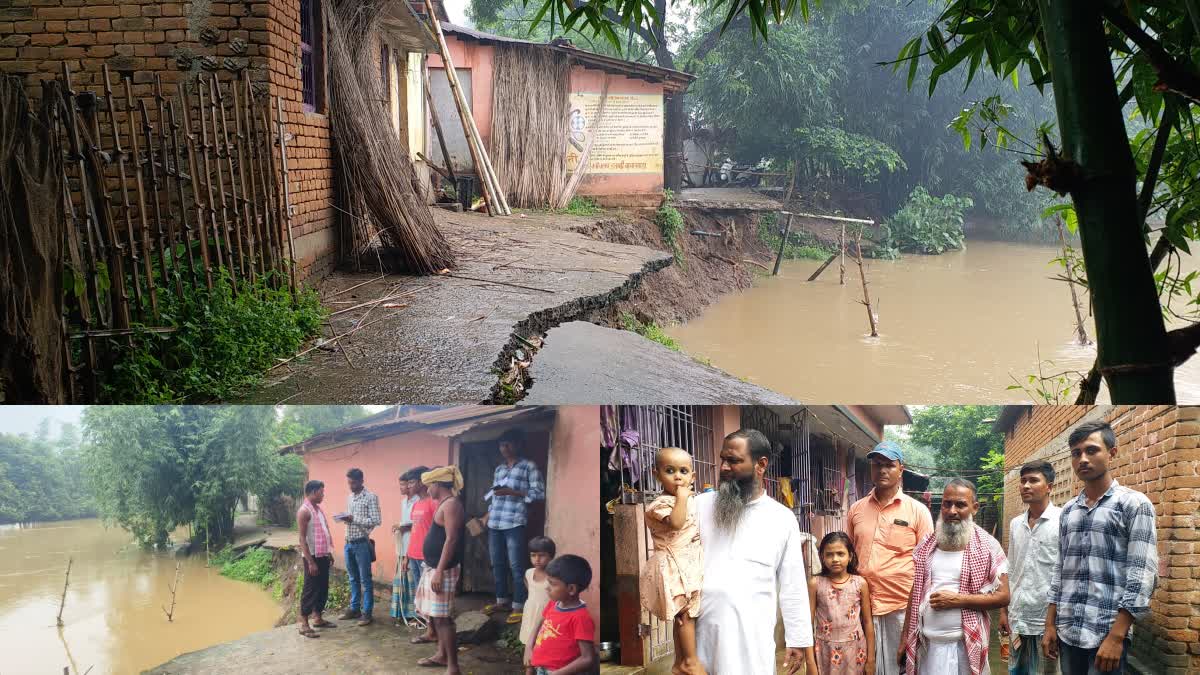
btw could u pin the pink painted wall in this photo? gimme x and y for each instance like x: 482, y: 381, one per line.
x: 382, y: 461
x: 573, y: 492
x: 866, y: 419
x: 480, y: 58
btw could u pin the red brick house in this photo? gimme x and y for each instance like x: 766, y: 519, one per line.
x: 1158, y: 455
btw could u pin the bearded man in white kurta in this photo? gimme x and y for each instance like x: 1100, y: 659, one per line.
x: 753, y: 569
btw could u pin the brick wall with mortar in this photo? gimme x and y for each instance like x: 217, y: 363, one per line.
x: 177, y: 41
x: 1158, y: 455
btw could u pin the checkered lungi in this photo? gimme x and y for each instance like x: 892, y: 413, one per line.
x: 437, y: 602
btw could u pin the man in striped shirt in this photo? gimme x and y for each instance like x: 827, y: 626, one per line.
x: 516, y: 484
x: 362, y: 515
x: 1107, y: 563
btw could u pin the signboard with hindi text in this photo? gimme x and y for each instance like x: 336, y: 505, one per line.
x: 629, y: 139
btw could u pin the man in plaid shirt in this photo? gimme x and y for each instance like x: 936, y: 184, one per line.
x: 1107, y: 564
x: 362, y: 515
x: 516, y: 484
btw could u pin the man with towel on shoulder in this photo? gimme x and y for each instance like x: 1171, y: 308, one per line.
x: 442, y: 567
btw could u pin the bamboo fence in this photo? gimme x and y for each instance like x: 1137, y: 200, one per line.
x: 530, y: 106
x: 160, y: 194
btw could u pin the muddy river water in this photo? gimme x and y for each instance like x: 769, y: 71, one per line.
x: 113, y: 617
x: 954, y: 328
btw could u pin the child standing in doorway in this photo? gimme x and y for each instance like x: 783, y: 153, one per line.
x: 671, y: 580
x: 841, y: 605
x: 565, y: 632
x: 541, y: 552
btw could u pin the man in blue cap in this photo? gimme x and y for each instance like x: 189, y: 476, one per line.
x: 885, y: 527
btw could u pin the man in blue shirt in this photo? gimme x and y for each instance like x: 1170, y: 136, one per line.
x: 1107, y: 562
x: 516, y: 484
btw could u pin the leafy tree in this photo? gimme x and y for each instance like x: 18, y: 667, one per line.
x: 961, y: 436
x: 40, y: 477
x: 314, y: 419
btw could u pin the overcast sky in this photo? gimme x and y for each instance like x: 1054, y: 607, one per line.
x: 457, y: 11
x: 24, y: 419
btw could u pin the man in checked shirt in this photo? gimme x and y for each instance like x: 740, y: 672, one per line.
x: 362, y: 515
x: 1107, y: 562
x: 516, y: 484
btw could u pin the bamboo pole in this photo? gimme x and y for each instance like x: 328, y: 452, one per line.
x: 96, y: 195
x: 492, y: 190
x: 287, y: 197
x: 165, y: 242
x: 866, y: 301
x: 163, y: 124
x: 272, y: 181
x: 62, y: 602
x: 210, y: 200
x: 249, y: 208
x: 171, y: 613
x: 238, y: 225
x: 437, y: 125
x: 201, y: 209
x: 216, y: 146
x: 787, y: 230
x: 1080, y: 330
x: 260, y: 219
x: 120, y: 155
x: 824, y: 265
x: 151, y: 288
x: 842, y: 256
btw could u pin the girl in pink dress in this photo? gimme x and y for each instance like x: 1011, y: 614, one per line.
x: 841, y: 607
x: 670, y: 582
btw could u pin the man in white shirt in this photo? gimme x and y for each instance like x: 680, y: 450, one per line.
x: 1033, y: 551
x: 753, y: 569
x: 960, y: 574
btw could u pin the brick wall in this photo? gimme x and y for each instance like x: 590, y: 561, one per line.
x: 1158, y: 454
x: 177, y: 41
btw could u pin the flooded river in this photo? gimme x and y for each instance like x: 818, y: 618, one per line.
x: 113, y: 616
x: 953, y: 328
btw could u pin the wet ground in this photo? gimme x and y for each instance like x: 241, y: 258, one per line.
x: 376, y: 649
x: 585, y: 363
x: 439, y: 339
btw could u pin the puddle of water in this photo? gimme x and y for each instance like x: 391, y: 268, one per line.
x: 953, y: 328
x: 114, y: 617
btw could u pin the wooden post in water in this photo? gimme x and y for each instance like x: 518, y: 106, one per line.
x: 171, y: 613
x: 842, y: 253
x: 863, y: 275
x: 1079, y: 329
x: 787, y: 229
x: 63, y: 601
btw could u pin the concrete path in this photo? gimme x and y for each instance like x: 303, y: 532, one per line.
x: 375, y: 650
x: 732, y: 198
x: 514, y: 276
x: 583, y: 363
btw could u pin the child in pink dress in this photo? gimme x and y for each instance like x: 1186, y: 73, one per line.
x: 841, y: 605
x: 670, y: 582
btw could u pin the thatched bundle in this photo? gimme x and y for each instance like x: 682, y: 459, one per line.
x: 377, y: 180
x: 530, y: 105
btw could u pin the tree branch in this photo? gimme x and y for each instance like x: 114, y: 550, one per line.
x: 1173, y: 76
x: 1156, y: 157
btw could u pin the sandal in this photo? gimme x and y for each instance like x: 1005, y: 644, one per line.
x: 514, y: 618
x: 422, y: 640
x: 495, y: 608
x: 323, y: 624
x: 310, y: 633
x: 428, y: 662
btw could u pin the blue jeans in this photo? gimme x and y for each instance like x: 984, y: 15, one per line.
x: 1028, y: 659
x: 1080, y: 661
x: 509, y: 549
x: 358, y: 568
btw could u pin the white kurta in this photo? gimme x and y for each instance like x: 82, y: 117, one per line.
x: 748, y: 576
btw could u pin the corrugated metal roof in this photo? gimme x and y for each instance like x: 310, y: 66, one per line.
x: 446, y: 422
x: 459, y: 429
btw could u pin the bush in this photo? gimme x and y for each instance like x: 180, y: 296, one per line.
x: 582, y: 206
x: 254, y: 567
x: 927, y: 224
x: 650, y: 331
x: 224, y: 341
x: 800, y: 244
x: 670, y: 224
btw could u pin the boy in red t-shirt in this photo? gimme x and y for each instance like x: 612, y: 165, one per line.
x: 564, y: 643
x: 422, y: 518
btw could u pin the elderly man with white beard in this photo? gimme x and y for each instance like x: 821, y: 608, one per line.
x: 753, y: 569
x: 960, y: 574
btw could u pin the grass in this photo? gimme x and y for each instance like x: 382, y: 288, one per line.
x: 650, y: 331
x: 255, y: 567
x: 582, y: 206
x: 800, y: 244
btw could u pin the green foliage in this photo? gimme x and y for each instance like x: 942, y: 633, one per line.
x: 800, y: 245
x: 254, y: 567
x: 223, y: 343
x: 961, y: 436
x: 154, y: 469
x: 650, y: 331
x: 670, y: 224
x: 41, y: 478
x: 837, y: 152
x: 510, y: 641
x: 928, y: 224
x: 583, y: 206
